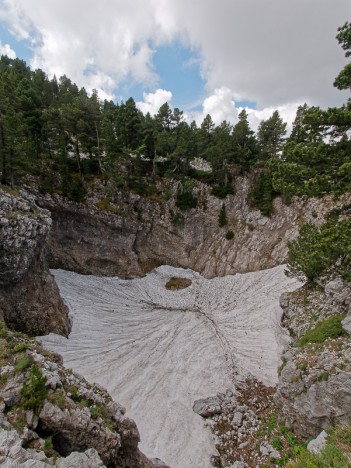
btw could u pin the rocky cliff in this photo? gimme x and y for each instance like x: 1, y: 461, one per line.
x: 128, y: 236
x: 51, y: 416
x: 314, y: 389
x: 29, y: 298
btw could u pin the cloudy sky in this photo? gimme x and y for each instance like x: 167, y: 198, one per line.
x: 203, y: 56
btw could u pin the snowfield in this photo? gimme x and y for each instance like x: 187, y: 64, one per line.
x: 156, y: 351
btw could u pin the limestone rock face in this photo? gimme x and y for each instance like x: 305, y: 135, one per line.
x: 136, y: 235
x: 51, y: 416
x: 314, y: 388
x: 29, y: 298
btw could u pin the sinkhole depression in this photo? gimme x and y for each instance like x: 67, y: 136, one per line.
x: 157, y: 350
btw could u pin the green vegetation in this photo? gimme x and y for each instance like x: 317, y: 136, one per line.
x: 229, y: 235
x: 185, y: 200
x: 262, y: 193
x: 329, y: 328
x: 19, y: 348
x: 318, y: 250
x: 99, y: 412
x: 33, y: 390
x: 333, y: 456
x: 23, y: 363
x: 222, y: 216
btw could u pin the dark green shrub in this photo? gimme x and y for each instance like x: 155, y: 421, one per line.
x: 319, y: 249
x: 229, y: 235
x: 262, y: 194
x: 222, y: 217
x: 185, y: 200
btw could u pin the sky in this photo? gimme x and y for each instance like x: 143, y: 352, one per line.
x: 203, y: 56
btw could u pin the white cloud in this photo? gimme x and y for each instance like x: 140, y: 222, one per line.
x: 153, y: 101
x: 6, y: 50
x: 221, y: 106
x: 287, y: 112
x: 272, y: 52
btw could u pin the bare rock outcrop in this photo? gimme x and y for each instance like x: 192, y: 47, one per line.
x: 127, y: 235
x: 29, y: 298
x: 314, y: 389
x: 51, y: 416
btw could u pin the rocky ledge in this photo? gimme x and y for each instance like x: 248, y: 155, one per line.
x: 314, y: 389
x: 123, y: 234
x: 29, y: 298
x: 51, y: 416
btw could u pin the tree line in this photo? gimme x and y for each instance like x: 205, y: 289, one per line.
x: 56, y: 132
x: 52, y: 129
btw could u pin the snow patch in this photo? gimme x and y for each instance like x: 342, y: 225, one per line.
x: 157, y: 351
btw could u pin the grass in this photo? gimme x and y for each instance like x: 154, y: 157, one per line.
x: 10, y: 190
x: 176, y: 283
x: 19, y: 348
x: 330, y: 457
x: 333, y: 456
x: 23, y: 363
x: 329, y: 328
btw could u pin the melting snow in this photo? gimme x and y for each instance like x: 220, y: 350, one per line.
x: 157, y: 351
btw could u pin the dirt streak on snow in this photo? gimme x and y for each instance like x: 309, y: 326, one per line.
x: 157, y: 351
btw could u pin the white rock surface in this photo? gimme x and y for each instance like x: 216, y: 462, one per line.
x: 318, y: 444
x: 157, y: 351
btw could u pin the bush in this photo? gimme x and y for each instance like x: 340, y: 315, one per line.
x: 222, y: 217
x: 319, y: 249
x: 33, y: 389
x: 262, y: 194
x: 186, y: 200
x: 329, y: 328
x: 229, y: 235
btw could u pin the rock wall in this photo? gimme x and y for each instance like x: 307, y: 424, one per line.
x: 314, y: 389
x: 133, y: 235
x: 29, y: 298
x: 50, y: 416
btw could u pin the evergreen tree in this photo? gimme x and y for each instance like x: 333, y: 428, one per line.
x: 270, y: 135
x: 244, y: 143
x: 343, y: 80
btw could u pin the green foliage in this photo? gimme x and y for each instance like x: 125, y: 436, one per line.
x: 343, y: 80
x: 317, y: 250
x: 270, y: 135
x: 48, y: 446
x: 262, y: 193
x: 229, y: 235
x: 277, y: 444
x: 222, y: 190
x: 23, y: 363
x: 330, y: 457
x: 329, y: 328
x: 99, y: 412
x: 222, y: 216
x: 19, y: 348
x: 33, y: 390
x: 185, y: 200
